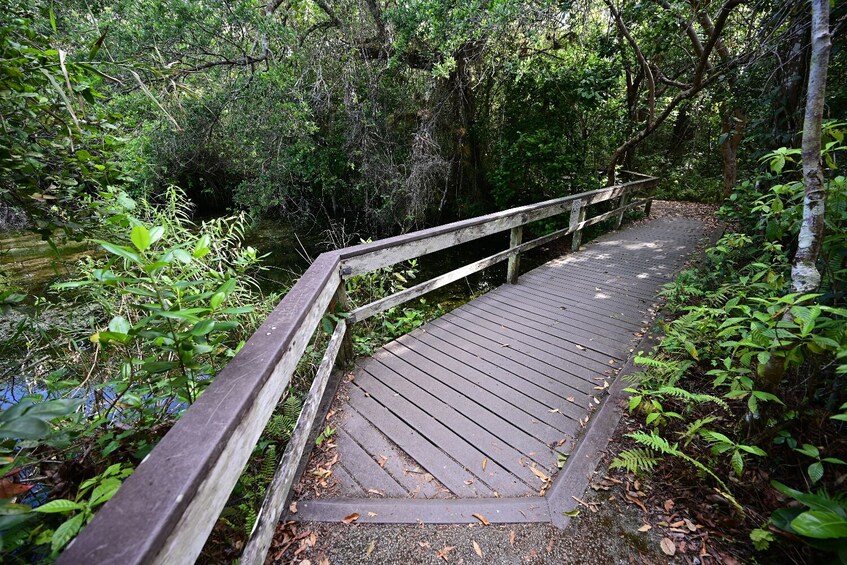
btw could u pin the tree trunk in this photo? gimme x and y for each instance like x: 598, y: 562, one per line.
x: 732, y: 126
x: 805, y: 277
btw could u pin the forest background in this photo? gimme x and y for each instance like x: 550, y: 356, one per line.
x: 161, y: 131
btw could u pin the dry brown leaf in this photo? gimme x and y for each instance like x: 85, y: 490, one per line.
x: 484, y: 462
x: 570, y: 399
x: 644, y: 528
x: 469, y: 482
x: 374, y: 491
x: 512, y: 537
x: 554, y: 410
x: 372, y: 514
x: 442, y: 553
x: 293, y: 507
x: 382, y: 460
x: 669, y: 504
x: 539, y: 474
x: 580, y: 347
x: 690, y: 525
x: 371, y: 547
x: 668, y: 546
x: 351, y: 518
x: 477, y: 549
x: 482, y: 519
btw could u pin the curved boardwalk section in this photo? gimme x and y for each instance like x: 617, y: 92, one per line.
x: 476, y: 411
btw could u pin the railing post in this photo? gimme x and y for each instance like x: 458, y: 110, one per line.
x: 648, y: 206
x: 622, y: 201
x: 345, y: 354
x: 577, y: 217
x: 515, y: 260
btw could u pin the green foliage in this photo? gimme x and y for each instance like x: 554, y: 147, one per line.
x: 638, y: 460
x: 58, y: 146
x: 15, y: 519
x: 821, y: 522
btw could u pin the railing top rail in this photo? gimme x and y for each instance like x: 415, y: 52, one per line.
x: 156, y: 515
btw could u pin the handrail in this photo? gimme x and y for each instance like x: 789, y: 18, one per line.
x: 165, y: 511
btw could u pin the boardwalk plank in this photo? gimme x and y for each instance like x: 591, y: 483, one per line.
x: 454, y: 476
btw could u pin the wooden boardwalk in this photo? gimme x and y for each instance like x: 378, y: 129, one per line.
x: 478, y: 410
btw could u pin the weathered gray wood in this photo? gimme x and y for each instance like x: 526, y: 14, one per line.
x: 478, y: 405
x: 514, y: 266
x: 455, y: 434
x: 460, y: 480
x: 577, y: 219
x: 280, y: 485
x: 397, y: 464
x: 345, y: 354
x: 365, y: 468
x: 622, y: 206
x: 195, y: 466
x: 530, y: 509
x: 486, y: 362
x: 648, y: 206
x: 517, y: 405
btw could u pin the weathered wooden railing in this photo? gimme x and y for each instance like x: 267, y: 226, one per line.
x: 165, y: 511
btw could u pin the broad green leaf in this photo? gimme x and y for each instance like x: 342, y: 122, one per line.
x: 203, y: 327
x: 217, y: 299
x: 59, y: 506
x: 104, y: 491
x: 25, y: 427
x: 156, y: 233
x: 140, y: 238
x: 820, y: 524
x: 120, y: 251
x: 119, y: 325
x: 737, y: 462
x: 182, y: 256
x: 66, y: 532
x: 815, y: 471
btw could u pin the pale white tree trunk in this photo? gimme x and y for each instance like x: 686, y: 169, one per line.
x: 805, y: 277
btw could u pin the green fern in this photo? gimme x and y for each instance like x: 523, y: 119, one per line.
x: 637, y: 460
x: 696, y: 398
x: 695, y: 427
x: 657, y: 443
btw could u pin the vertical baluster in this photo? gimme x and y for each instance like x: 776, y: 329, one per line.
x: 621, y: 203
x: 515, y: 260
x: 577, y: 217
x: 342, y: 301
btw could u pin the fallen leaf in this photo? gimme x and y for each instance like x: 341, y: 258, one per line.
x: 539, y: 474
x: 570, y: 399
x: 612, y: 361
x: 371, y: 514
x: 374, y: 491
x: 423, y: 544
x: 669, y: 504
x: 371, y: 547
x: 351, y: 518
x: 442, y: 553
x: 580, y: 347
x: 484, y: 462
x: 512, y: 537
x: 477, y: 549
x: 554, y: 410
x: 645, y: 528
x: 382, y: 460
x: 668, y: 546
x: 690, y: 525
x: 293, y: 507
x: 572, y: 513
x: 482, y: 519
x: 469, y: 482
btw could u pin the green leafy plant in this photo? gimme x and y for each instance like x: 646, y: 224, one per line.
x: 821, y: 522
x: 815, y: 470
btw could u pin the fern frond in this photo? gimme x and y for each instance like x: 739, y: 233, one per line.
x: 695, y: 427
x: 697, y: 398
x: 637, y: 460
